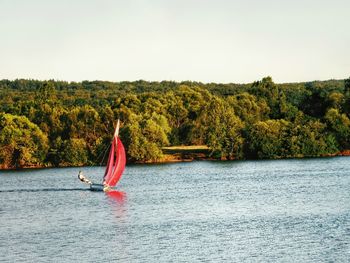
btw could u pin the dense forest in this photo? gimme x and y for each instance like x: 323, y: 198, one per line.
x: 57, y: 123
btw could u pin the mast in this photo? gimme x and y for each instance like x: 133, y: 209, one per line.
x: 116, y: 133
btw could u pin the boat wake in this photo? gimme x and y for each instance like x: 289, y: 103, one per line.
x: 44, y: 190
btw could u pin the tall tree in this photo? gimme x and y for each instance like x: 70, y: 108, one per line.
x: 222, y: 129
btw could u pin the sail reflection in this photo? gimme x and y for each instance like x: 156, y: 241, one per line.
x: 117, y: 196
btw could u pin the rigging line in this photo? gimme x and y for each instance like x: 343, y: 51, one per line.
x: 104, y: 154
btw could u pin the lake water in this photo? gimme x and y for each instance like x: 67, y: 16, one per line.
x: 241, y: 211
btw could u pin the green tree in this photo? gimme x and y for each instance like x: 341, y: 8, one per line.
x: 144, y: 137
x: 268, y: 90
x: 336, y: 100
x: 177, y: 115
x: 347, y: 87
x: 347, y: 96
x: 22, y: 143
x: 339, y: 124
x: 222, y: 129
x: 309, y: 137
x: 267, y: 139
x: 156, y: 129
x: 74, y: 153
x: 248, y: 107
x: 46, y: 92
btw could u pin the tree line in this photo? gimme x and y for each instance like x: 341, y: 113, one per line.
x: 57, y: 123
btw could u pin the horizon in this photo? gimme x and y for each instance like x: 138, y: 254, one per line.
x: 176, y: 81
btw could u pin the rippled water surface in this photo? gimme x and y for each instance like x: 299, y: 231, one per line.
x: 286, y: 210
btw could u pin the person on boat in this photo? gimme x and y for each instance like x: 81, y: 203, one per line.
x: 94, y: 187
x: 106, y: 187
x: 83, y: 178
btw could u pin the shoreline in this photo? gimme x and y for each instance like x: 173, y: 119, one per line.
x: 180, y: 157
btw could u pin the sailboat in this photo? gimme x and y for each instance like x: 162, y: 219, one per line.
x: 114, y: 168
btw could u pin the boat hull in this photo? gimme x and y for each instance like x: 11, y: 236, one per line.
x: 97, y: 187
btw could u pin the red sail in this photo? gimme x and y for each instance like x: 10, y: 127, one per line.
x: 116, y: 163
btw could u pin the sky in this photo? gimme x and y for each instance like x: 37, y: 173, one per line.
x: 223, y: 41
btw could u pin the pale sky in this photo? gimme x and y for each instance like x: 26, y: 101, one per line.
x: 237, y: 41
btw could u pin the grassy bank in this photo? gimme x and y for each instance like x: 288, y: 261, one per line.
x: 185, y: 153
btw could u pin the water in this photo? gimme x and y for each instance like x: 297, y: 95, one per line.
x: 249, y: 211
